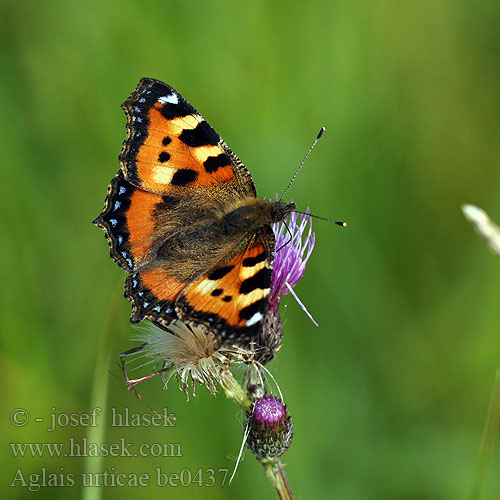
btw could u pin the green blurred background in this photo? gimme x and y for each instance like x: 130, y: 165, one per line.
x: 389, y: 395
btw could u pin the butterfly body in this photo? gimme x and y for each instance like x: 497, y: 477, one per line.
x: 182, y: 217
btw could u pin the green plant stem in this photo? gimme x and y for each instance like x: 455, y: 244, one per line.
x: 234, y: 391
x: 276, y: 474
x: 99, y: 395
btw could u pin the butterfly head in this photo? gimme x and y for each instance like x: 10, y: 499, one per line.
x: 253, y: 213
x: 280, y: 211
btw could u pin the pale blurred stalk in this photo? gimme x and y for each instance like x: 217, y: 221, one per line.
x: 488, y: 441
x: 99, y: 395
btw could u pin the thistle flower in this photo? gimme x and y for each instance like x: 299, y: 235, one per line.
x: 187, y: 352
x: 270, y: 428
x: 294, y: 245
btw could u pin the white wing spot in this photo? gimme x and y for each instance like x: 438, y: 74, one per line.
x: 171, y: 99
x: 255, y: 319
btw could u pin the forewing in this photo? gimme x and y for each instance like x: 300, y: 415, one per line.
x: 170, y: 146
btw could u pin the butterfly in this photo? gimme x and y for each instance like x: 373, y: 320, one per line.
x: 182, y: 218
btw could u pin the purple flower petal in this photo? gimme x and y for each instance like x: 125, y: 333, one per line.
x: 293, y: 249
x: 294, y: 245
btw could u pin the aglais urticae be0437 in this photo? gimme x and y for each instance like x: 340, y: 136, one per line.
x: 181, y: 216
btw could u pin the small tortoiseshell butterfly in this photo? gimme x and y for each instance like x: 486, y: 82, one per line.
x: 182, y: 217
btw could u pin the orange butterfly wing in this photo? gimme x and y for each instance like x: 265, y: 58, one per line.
x: 233, y: 297
x: 170, y: 146
x: 171, y: 154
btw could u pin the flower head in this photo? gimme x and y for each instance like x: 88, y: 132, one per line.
x: 189, y: 353
x: 294, y: 245
x: 270, y: 428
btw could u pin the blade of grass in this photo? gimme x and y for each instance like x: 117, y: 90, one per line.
x: 99, y: 396
x: 488, y: 441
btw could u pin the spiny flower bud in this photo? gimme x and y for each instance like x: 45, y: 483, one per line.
x: 270, y: 428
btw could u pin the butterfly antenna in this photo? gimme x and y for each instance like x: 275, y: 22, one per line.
x: 321, y: 132
x: 338, y: 222
x: 288, y: 240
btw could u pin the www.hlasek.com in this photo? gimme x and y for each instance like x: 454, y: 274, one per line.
x: 183, y: 478
x: 84, y: 448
